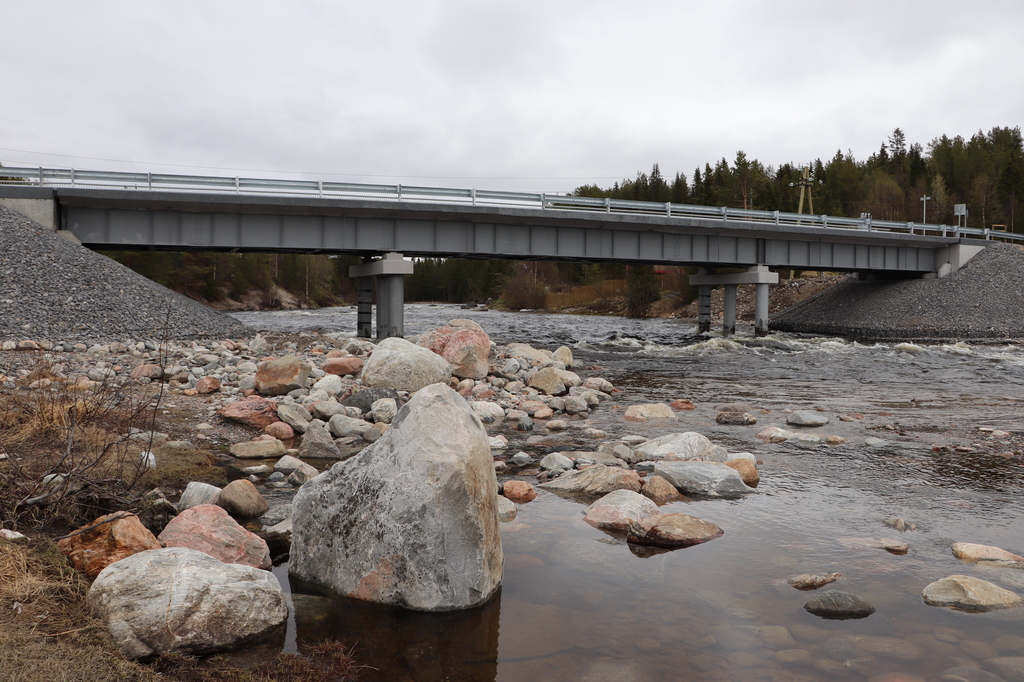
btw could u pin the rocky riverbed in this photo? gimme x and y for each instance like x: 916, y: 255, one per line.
x: 278, y: 409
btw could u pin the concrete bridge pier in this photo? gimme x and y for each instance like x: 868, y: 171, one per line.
x: 729, y: 311
x: 703, y: 307
x: 758, y: 275
x: 390, y: 272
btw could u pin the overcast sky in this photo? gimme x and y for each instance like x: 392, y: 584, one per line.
x: 506, y: 95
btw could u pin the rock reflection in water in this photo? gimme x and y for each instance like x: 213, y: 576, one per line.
x: 402, y: 645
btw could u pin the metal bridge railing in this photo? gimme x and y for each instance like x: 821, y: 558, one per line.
x: 70, y: 177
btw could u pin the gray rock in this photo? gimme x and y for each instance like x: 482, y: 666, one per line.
x: 1010, y: 668
x: 524, y: 424
x: 506, y: 509
x: 967, y: 593
x: 619, y: 509
x: 488, y: 412
x: 521, y: 459
x: 287, y: 464
x: 317, y: 442
x: 396, y: 363
x: 806, y: 418
x: 295, y: 416
x: 391, y: 542
x: 330, y: 384
x: 688, y: 445
x: 556, y: 461
x: 595, y: 480
x: 839, y: 605
x: 364, y: 399
x: 703, y: 478
x: 276, y: 514
x: 964, y: 673
x: 302, y: 474
x: 839, y: 649
x: 325, y: 409
x: 384, y: 410
x: 197, y: 493
x: 342, y: 426
x: 178, y: 600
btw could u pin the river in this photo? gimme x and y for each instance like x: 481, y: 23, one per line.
x: 578, y: 604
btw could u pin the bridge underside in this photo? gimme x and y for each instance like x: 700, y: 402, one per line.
x: 181, y: 221
x: 180, y: 230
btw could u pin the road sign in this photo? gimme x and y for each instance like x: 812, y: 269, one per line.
x: 960, y: 209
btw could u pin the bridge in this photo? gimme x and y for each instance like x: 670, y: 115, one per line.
x: 384, y: 223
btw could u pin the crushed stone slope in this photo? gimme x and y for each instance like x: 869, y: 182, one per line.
x: 983, y: 300
x: 55, y: 290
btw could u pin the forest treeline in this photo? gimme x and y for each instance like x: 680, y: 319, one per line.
x: 985, y: 172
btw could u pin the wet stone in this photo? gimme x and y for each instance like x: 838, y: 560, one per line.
x: 839, y: 605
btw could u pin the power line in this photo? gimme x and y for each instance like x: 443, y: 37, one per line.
x: 348, y: 175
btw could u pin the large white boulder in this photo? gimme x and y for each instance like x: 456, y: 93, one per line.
x: 686, y: 446
x: 396, y: 363
x: 412, y: 520
x: 178, y: 600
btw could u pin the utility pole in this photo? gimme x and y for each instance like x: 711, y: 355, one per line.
x: 924, y: 209
x: 805, y: 183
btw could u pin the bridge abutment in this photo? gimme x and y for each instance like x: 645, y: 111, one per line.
x: 390, y: 272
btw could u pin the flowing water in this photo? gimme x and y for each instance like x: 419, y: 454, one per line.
x: 579, y: 604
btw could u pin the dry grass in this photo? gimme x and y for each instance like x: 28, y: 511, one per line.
x: 48, y: 633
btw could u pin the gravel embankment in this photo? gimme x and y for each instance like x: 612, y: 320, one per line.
x: 55, y: 290
x: 984, y: 300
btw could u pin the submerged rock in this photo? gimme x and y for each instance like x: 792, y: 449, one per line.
x: 412, y: 520
x: 179, y: 600
x: 838, y: 605
x: 595, y: 480
x: 806, y: 581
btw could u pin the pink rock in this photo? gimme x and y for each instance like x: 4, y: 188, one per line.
x: 279, y: 430
x: 673, y: 530
x: 147, y: 371
x: 210, y: 529
x: 337, y: 353
x: 277, y: 377
x: 343, y: 365
x: 253, y: 411
x: 207, y: 385
x: 519, y: 491
x: 108, y: 539
x: 464, y: 344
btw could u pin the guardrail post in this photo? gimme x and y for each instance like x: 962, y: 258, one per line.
x: 399, y: 191
x: 988, y: 233
x: 776, y: 217
x: 149, y: 181
x: 543, y: 201
x: 472, y: 194
x: 725, y: 213
x: 910, y: 227
x: 72, y: 177
x: 824, y: 221
x: 668, y: 208
x: 40, y: 175
x: 238, y: 189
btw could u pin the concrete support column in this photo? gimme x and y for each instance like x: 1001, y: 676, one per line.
x: 389, y: 272
x: 390, y: 306
x: 364, y: 305
x: 729, y: 313
x: 761, y: 310
x: 383, y: 306
x: 758, y: 275
x: 703, y: 309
